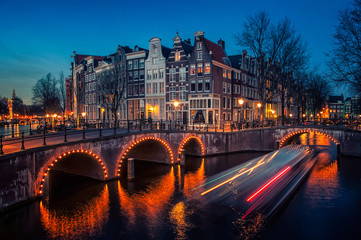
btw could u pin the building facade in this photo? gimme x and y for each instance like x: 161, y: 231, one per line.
x: 155, y: 79
x: 177, y: 81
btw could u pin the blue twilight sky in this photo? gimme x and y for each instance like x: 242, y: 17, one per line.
x: 37, y: 37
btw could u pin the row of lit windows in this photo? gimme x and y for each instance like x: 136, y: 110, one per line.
x: 207, y: 69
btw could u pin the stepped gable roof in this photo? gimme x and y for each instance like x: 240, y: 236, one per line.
x: 236, y: 61
x: 217, y: 51
x: 188, y: 48
x: 166, y: 51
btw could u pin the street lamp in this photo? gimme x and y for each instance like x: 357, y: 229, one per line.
x: 83, y: 114
x: 241, y: 101
x: 175, y: 104
x: 259, y: 105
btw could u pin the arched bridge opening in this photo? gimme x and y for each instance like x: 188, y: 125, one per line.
x: 310, y: 138
x: 150, y: 149
x: 69, y: 171
x: 192, y: 146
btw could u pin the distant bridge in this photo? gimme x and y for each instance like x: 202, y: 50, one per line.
x: 25, y: 173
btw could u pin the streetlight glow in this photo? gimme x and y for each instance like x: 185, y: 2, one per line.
x: 240, y: 101
x: 259, y: 105
x: 83, y: 114
x: 175, y: 103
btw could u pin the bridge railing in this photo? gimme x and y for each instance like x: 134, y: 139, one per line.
x: 45, y: 136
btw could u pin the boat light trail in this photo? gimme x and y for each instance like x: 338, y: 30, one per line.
x: 268, y: 183
x: 232, y: 178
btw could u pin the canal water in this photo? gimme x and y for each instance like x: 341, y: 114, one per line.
x: 161, y: 204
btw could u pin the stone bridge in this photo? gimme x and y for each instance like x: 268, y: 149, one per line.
x: 25, y: 174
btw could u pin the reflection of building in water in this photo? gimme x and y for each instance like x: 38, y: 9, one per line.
x: 312, y: 138
x: 84, y: 220
x: 148, y: 204
x: 194, y: 179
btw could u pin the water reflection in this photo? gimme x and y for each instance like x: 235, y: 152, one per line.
x: 148, y: 206
x: 312, y: 138
x: 79, y: 221
x: 324, y: 180
x: 179, y: 218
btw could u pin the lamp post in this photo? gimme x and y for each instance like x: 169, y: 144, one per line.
x: 84, y: 114
x: 259, y: 105
x: 175, y: 104
x: 240, y: 102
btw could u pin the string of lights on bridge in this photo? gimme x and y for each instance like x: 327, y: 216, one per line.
x: 130, y: 146
x: 184, y: 143
x: 288, y: 136
x: 51, y: 165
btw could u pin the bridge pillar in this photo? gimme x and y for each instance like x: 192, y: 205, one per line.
x: 338, y: 149
x: 182, y: 157
x: 130, y: 169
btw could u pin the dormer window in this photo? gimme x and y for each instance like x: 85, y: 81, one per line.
x: 199, y: 45
x: 177, y: 56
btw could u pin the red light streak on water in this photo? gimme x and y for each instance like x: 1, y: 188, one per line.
x: 268, y: 183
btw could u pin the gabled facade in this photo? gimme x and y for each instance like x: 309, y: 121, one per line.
x: 210, y: 82
x: 155, y: 79
x: 136, y: 83
x: 177, y: 81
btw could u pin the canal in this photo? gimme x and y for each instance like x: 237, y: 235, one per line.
x: 161, y: 204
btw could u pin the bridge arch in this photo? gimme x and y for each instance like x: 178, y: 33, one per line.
x: 43, y: 174
x: 134, y: 143
x: 186, y: 141
x: 290, y: 135
x: 23, y: 122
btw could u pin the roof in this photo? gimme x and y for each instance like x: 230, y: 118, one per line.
x: 79, y: 58
x: 236, y: 61
x: 187, y: 48
x: 166, y: 51
x: 217, y: 51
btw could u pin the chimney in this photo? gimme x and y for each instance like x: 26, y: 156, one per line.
x: 222, y: 43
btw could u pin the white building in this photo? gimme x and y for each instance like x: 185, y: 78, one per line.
x: 155, y: 78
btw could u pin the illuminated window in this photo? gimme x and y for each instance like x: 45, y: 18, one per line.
x: 200, y: 69
x: 193, y: 69
x: 177, y: 56
x: 229, y: 74
x: 224, y: 73
x: 207, y: 68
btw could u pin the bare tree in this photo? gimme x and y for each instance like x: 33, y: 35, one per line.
x: 46, y: 93
x: 290, y: 55
x: 112, y: 86
x: 345, y: 57
x: 278, y: 51
x: 317, y: 91
x: 62, y: 93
